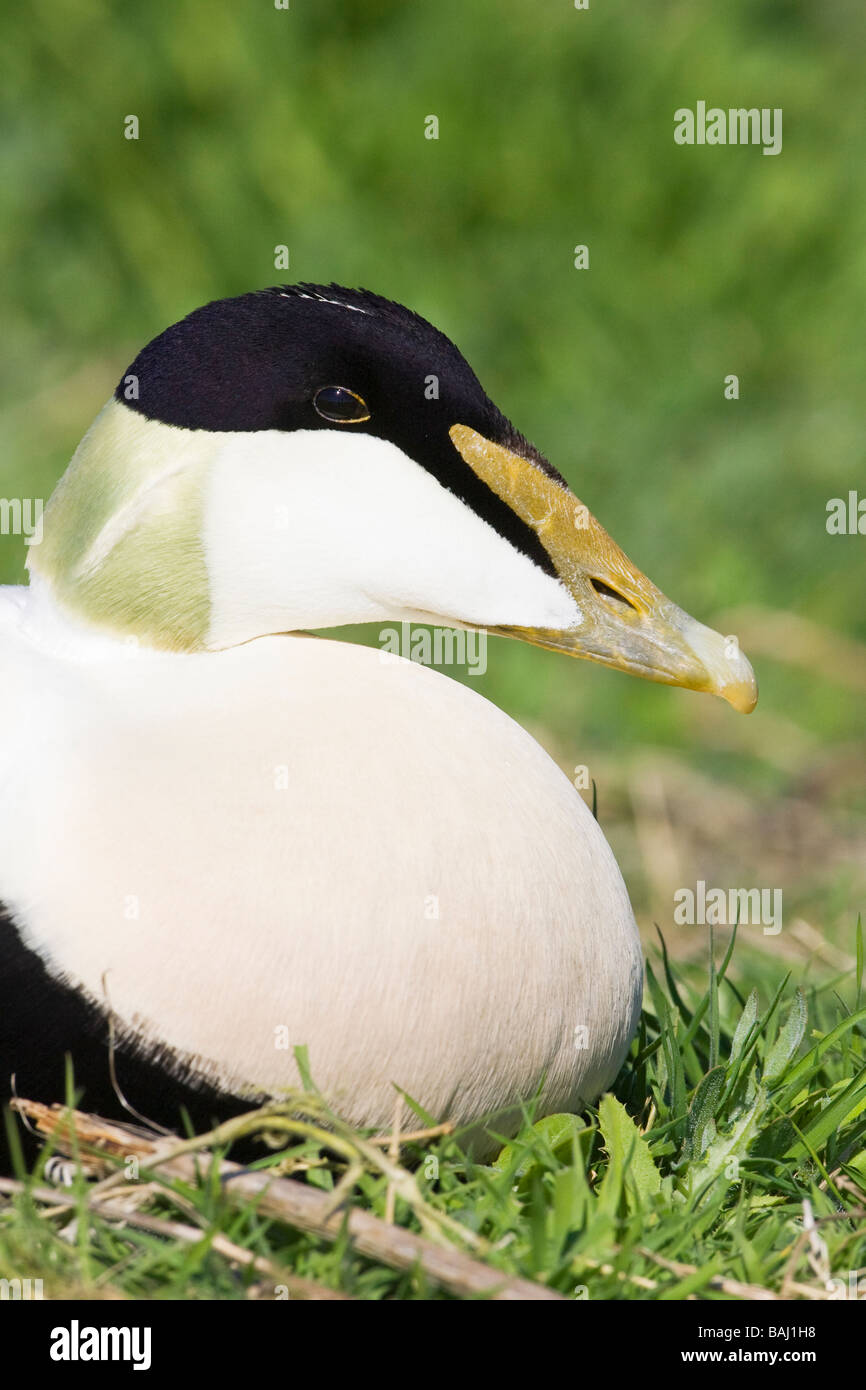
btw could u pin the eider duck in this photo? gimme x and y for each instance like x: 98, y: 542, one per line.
x: 222, y: 837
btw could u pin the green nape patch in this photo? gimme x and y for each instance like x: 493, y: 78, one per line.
x: 122, y: 544
x: 737, y: 1122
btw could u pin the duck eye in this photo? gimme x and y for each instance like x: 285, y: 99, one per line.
x: 341, y: 405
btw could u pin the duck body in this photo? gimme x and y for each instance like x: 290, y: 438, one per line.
x: 222, y: 839
x: 459, y: 938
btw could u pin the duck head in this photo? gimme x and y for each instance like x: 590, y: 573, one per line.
x: 307, y: 457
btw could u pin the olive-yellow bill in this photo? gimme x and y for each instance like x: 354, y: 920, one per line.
x: 625, y: 621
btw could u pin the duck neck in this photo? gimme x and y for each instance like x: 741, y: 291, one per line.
x: 121, y: 549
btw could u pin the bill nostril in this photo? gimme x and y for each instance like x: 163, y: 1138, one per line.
x: 607, y: 592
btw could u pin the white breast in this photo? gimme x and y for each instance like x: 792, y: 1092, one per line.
x: 294, y: 841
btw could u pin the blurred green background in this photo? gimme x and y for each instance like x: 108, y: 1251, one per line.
x: 305, y: 127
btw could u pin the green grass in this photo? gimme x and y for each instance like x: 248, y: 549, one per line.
x: 735, y: 1119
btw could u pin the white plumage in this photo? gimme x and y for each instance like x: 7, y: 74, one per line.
x: 298, y: 841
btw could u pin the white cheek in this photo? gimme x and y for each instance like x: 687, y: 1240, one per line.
x: 320, y: 527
